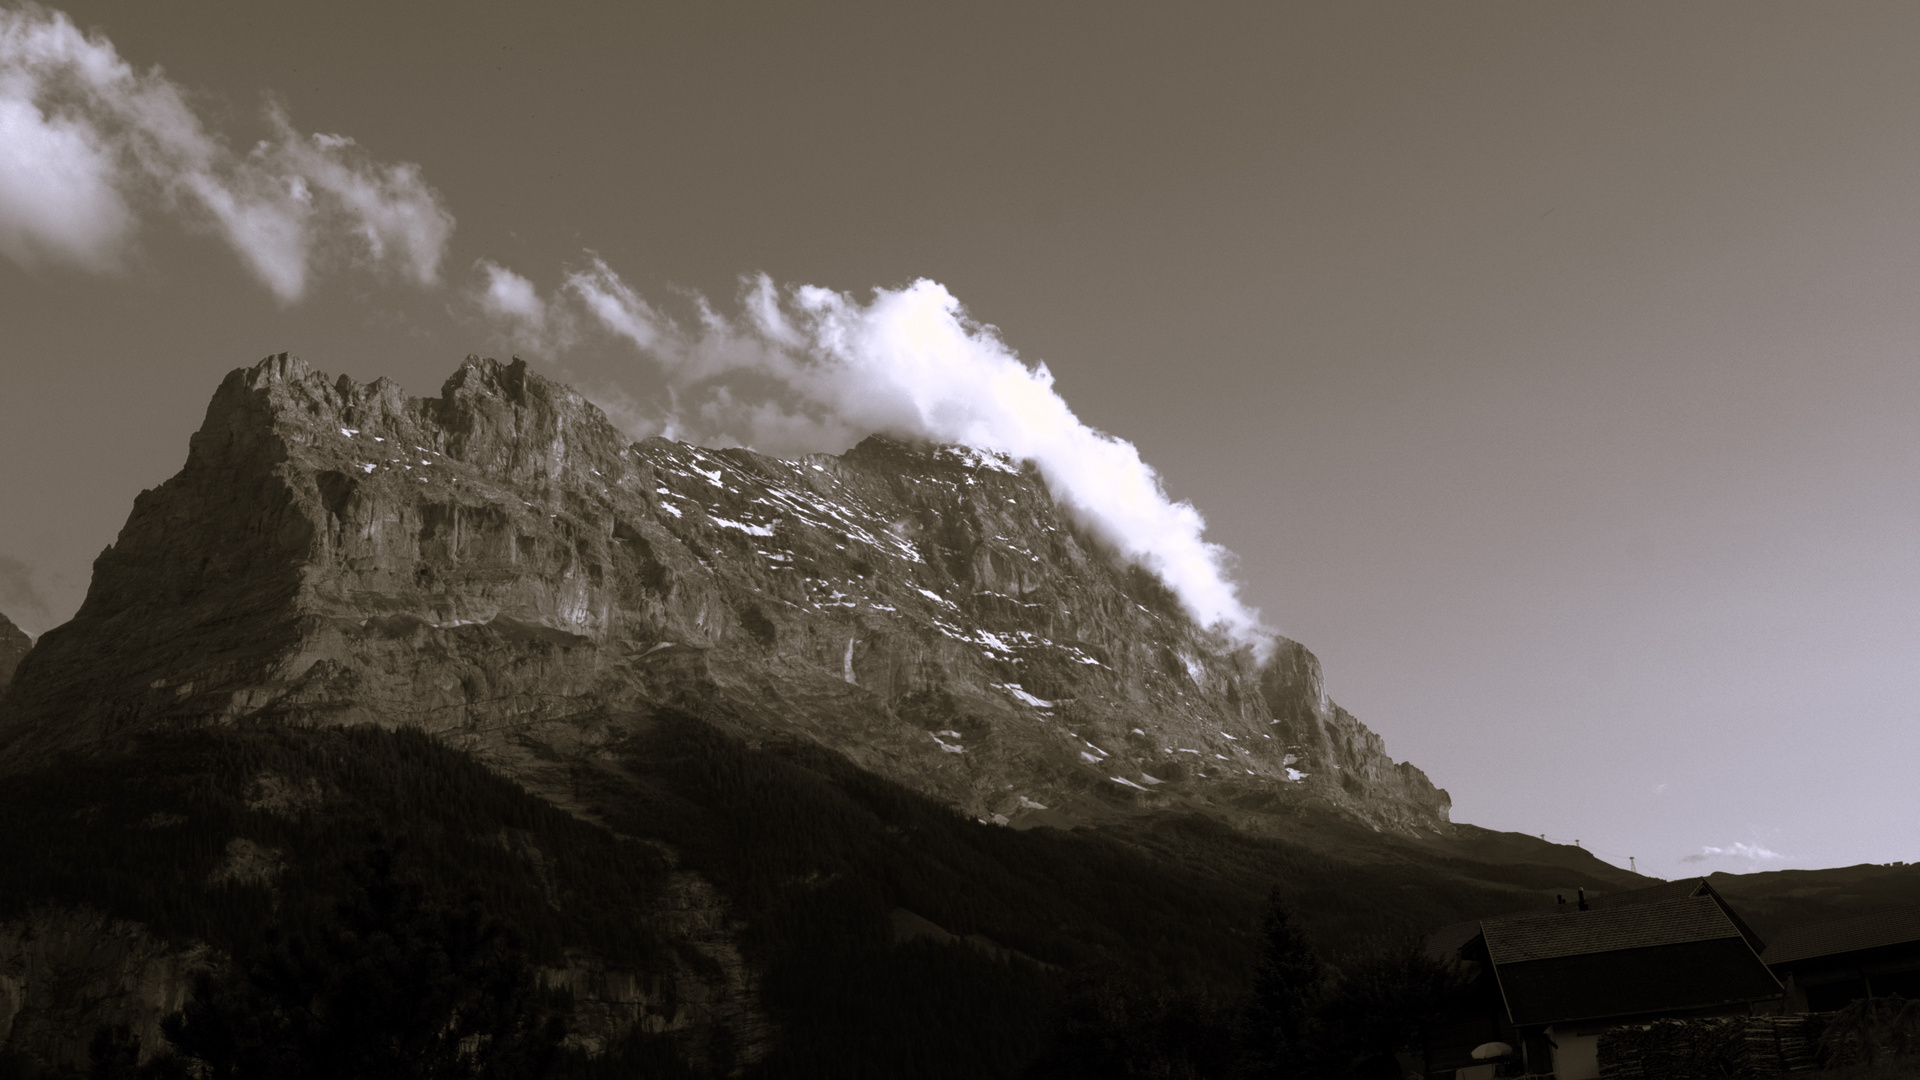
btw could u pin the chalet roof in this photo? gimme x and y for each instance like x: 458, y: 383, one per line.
x: 1545, y: 935
x: 1895, y: 926
x: 1670, y: 948
x: 1448, y: 941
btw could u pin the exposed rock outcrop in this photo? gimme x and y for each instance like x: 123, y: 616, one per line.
x: 500, y: 566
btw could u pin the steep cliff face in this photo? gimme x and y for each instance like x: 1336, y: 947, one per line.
x: 14, y: 644
x: 500, y: 566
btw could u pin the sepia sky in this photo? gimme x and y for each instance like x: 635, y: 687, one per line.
x: 1552, y: 370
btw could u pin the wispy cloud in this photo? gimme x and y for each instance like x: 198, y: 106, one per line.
x: 508, y: 297
x: 1737, y: 850
x: 20, y: 601
x: 88, y: 145
x: 799, y: 369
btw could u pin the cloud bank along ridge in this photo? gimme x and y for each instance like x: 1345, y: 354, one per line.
x: 87, y: 144
x: 806, y: 369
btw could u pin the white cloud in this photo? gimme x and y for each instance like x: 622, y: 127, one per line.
x: 86, y: 142
x: 57, y: 198
x: 1736, y: 850
x: 20, y: 600
x: 390, y: 209
x: 614, y: 304
x: 809, y: 369
x: 512, y: 298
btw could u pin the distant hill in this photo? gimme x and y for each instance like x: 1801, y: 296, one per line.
x: 1775, y: 899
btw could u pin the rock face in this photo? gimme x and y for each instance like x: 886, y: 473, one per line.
x: 500, y: 566
x: 14, y: 644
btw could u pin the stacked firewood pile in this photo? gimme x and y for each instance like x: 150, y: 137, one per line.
x: 1790, y: 1043
x: 1737, y: 1046
x: 1872, y: 1031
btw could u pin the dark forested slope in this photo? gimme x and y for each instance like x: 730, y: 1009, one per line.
x: 798, y: 961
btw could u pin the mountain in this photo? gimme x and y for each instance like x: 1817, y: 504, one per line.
x: 14, y: 644
x: 501, y: 567
x: 729, y: 740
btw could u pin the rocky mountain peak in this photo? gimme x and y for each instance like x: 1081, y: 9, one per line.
x: 501, y: 566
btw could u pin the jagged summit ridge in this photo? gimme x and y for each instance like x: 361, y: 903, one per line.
x: 501, y: 566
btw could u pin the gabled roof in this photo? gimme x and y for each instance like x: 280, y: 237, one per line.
x: 1668, y: 890
x: 1545, y: 935
x: 1448, y: 941
x: 1895, y: 926
x: 1673, y: 947
x: 1670, y: 948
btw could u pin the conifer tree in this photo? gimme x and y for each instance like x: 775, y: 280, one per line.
x: 1383, y: 1002
x: 1287, y: 980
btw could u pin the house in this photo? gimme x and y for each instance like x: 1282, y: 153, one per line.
x: 1549, y: 982
x: 1825, y: 965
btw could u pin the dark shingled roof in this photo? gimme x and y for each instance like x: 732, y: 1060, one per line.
x: 1895, y: 926
x: 1514, y: 939
x: 1448, y: 941
x: 1670, y: 890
